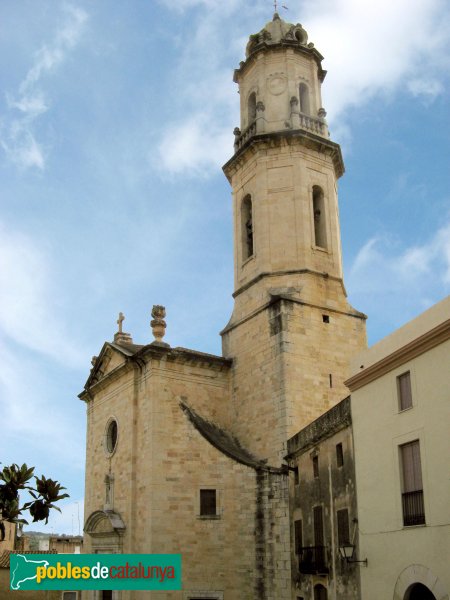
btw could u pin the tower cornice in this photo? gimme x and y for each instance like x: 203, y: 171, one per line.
x: 308, y: 51
x: 290, y: 137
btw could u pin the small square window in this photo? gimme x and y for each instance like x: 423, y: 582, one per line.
x: 326, y: 318
x: 339, y: 455
x: 208, y: 505
x: 315, y: 462
x: 404, y: 391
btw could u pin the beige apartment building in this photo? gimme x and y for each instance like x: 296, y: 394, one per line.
x: 186, y: 450
x: 400, y: 395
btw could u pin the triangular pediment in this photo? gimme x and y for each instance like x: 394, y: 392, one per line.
x: 111, y: 357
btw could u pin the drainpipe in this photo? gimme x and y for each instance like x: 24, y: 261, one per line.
x: 333, y: 547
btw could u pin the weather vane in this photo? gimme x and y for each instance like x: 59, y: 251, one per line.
x: 275, y: 5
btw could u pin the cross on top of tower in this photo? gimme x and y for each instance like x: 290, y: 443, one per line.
x: 275, y: 6
x: 119, y: 321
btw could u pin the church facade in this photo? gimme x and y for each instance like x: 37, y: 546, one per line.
x: 186, y: 451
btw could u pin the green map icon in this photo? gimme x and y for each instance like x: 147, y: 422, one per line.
x: 24, y: 570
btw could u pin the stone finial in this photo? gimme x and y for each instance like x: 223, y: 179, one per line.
x: 158, y: 324
x: 121, y: 337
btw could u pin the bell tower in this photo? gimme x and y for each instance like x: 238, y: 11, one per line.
x: 292, y: 330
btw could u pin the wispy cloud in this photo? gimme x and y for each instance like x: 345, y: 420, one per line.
x: 401, y: 279
x: 17, y: 135
x: 30, y: 297
x: 428, y: 89
x: 370, y: 49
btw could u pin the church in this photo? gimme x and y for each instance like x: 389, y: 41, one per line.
x: 186, y: 451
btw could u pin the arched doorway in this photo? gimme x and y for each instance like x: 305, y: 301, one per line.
x: 320, y: 592
x: 418, y: 581
x: 418, y: 591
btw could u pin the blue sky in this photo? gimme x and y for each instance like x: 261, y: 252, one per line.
x: 115, y: 120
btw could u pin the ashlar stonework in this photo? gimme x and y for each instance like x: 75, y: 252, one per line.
x: 185, y: 450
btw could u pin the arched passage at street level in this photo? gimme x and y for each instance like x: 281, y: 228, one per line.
x: 418, y: 591
x: 418, y: 582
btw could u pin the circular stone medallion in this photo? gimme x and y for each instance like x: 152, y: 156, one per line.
x: 276, y: 84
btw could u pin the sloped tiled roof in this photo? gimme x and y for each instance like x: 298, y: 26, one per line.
x: 221, y: 439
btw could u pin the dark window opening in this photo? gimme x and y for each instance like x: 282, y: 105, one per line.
x: 343, y: 527
x: 326, y: 318
x: 296, y: 476
x: 247, y: 227
x: 298, y: 536
x: 315, y: 462
x: 331, y: 380
x: 320, y: 234
x: 207, y: 502
x: 111, y: 436
x: 339, y: 455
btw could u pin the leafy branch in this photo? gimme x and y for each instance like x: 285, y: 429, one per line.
x: 45, y: 492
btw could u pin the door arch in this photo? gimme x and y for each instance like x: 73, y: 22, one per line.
x: 413, y: 579
x: 418, y: 591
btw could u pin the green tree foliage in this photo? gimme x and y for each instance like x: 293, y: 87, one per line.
x: 45, y: 492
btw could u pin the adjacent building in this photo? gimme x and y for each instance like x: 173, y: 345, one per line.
x: 400, y: 395
x: 323, y: 512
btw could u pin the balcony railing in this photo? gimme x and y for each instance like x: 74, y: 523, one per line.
x: 413, y: 508
x: 242, y: 137
x: 313, y: 560
x: 312, y: 124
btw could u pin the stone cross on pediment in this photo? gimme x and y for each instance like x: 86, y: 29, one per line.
x: 119, y: 321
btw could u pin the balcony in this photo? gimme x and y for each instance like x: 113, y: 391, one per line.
x: 301, y: 121
x: 313, y: 560
x: 312, y: 124
x: 413, y: 508
x: 241, y: 138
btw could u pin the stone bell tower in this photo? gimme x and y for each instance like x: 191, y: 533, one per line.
x: 292, y: 330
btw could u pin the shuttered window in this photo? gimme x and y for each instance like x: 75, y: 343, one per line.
x: 318, y: 526
x: 343, y: 527
x: 412, y: 488
x: 298, y: 536
x: 404, y: 391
